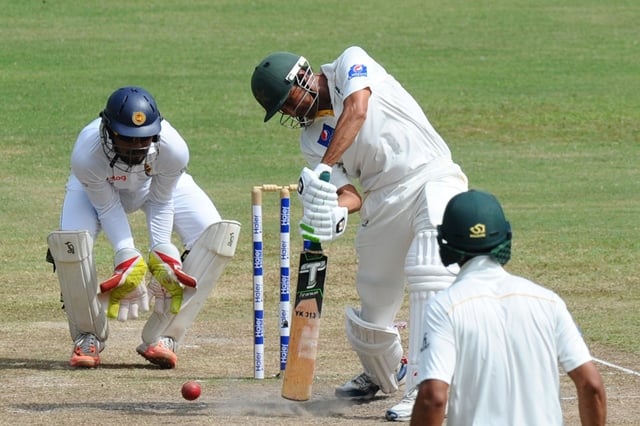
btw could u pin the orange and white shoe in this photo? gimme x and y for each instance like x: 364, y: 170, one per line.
x: 86, y: 351
x: 161, y: 353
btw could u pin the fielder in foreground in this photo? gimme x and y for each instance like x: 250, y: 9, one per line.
x: 360, y: 125
x: 492, y: 341
x: 131, y: 159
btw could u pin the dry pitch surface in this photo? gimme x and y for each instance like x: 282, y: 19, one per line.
x: 40, y: 388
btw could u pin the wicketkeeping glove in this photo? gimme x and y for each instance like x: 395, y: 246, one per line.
x: 324, y: 224
x: 314, y: 191
x: 126, y: 292
x: 166, y: 267
x: 162, y: 299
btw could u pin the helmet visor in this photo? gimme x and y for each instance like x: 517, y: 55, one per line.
x: 132, y: 150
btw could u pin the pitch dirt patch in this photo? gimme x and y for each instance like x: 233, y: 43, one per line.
x: 39, y: 387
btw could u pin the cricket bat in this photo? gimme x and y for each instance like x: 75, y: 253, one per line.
x: 305, y: 325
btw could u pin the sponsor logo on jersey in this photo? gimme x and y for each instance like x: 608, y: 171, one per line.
x: 325, y: 135
x: 114, y: 178
x: 357, y: 70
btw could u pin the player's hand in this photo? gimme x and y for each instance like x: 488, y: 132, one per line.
x: 324, y: 225
x: 162, y: 299
x: 166, y: 267
x: 314, y: 188
x: 124, y: 292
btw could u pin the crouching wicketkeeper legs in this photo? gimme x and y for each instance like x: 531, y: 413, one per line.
x: 172, y: 317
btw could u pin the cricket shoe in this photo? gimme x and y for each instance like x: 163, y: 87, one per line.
x: 86, y: 351
x: 362, y: 388
x: 162, y: 353
x: 401, y: 412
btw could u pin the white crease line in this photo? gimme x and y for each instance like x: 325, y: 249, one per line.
x: 608, y: 364
x: 609, y: 397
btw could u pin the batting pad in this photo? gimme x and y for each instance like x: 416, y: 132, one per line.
x: 72, y: 253
x: 206, y: 262
x: 426, y: 275
x: 378, y: 348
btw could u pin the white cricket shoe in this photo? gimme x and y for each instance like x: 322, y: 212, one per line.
x: 362, y: 388
x: 401, y: 412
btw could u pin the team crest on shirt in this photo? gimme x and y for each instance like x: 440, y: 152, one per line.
x: 325, y: 135
x: 357, y: 70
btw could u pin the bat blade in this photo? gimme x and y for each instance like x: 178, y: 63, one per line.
x: 305, y: 325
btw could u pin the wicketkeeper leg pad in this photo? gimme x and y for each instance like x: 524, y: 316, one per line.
x: 378, y: 348
x: 72, y: 254
x: 206, y: 262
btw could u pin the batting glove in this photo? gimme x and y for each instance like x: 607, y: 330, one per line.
x: 166, y: 267
x: 125, y: 293
x: 314, y: 188
x: 320, y: 225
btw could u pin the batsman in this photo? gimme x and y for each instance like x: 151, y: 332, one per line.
x: 360, y: 125
x: 131, y: 159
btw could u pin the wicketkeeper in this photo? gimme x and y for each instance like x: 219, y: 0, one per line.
x: 131, y: 159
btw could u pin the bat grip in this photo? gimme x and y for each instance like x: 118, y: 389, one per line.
x: 316, y: 246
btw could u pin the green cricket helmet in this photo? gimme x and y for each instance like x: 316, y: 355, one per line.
x: 274, y: 77
x: 473, y: 225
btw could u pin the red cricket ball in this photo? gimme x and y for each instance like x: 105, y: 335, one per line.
x: 191, y: 390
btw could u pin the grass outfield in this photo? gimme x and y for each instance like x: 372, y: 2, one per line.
x: 539, y: 102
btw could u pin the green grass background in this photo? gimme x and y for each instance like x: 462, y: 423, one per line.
x: 539, y: 101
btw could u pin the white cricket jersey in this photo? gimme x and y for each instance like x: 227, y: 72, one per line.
x: 396, y: 140
x: 497, y: 340
x: 114, y: 193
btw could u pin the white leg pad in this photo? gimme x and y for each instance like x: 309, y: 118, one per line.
x: 72, y: 254
x: 206, y: 262
x: 378, y: 348
x: 425, y: 275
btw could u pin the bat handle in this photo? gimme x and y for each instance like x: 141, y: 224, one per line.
x: 312, y: 246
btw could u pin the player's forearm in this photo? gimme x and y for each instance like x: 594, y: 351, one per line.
x: 593, y: 408
x: 431, y: 403
x: 340, y: 142
x: 592, y: 398
x: 348, y: 126
x: 349, y: 197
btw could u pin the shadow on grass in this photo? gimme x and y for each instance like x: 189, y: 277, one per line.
x: 48, y: 364
x: 151, y: 408
x: 321, y: 408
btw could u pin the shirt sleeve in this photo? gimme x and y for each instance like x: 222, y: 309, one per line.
x: 356, y: 70
x: 173, y: 157
x: 437, y: 359
x: 104, y: 198
x: 572, y: 349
